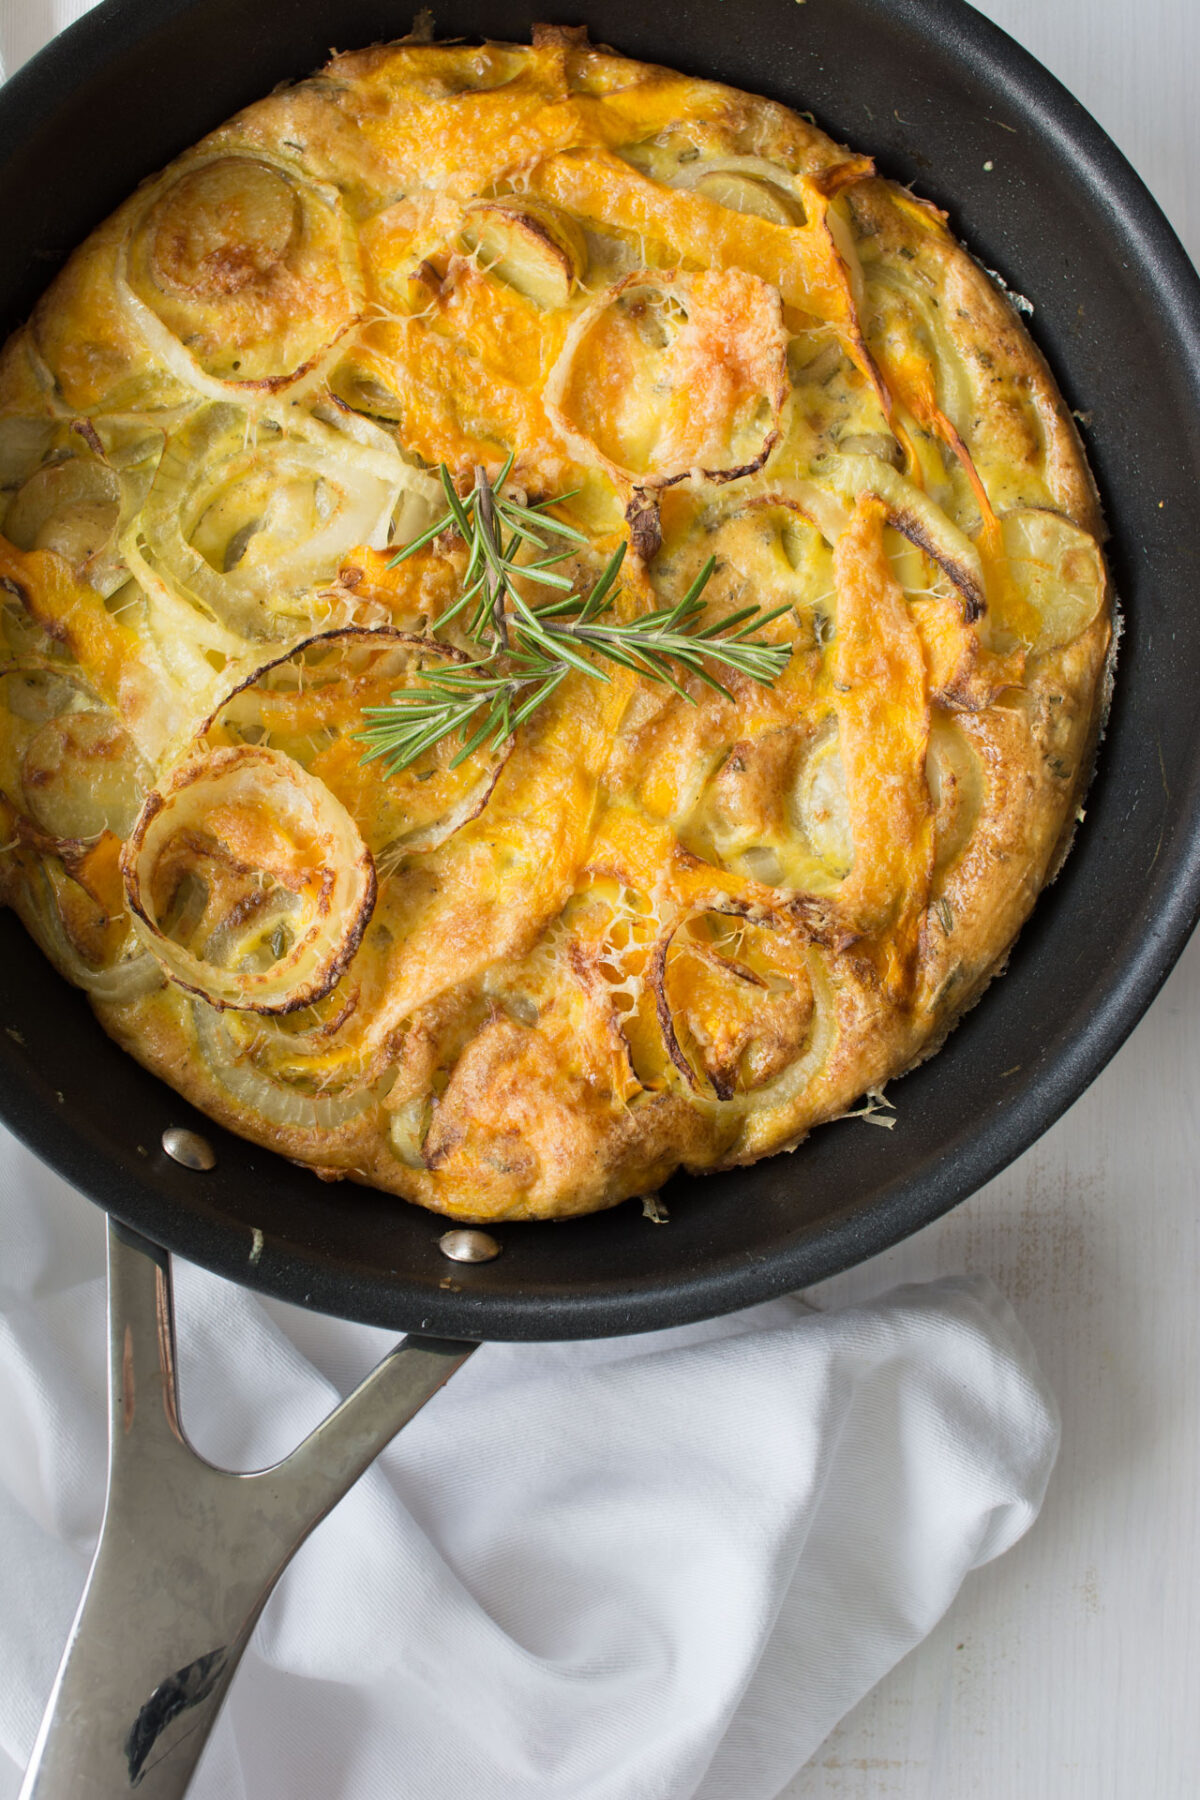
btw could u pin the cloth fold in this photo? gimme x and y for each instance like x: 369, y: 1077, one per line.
x: 652, y: 1568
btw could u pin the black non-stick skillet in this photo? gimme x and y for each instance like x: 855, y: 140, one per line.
x: 944, y: 101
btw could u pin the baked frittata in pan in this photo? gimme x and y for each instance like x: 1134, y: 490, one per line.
x: 552, y: 625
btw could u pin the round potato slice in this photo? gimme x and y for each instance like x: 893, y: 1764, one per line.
x: 247, y: 266
x: 81, y: 775
x: 1059, y: 572
x: 70, y: 507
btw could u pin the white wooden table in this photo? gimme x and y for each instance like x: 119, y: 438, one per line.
x: 1070, y: 1670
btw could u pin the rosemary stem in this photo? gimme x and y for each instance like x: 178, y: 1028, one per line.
x: 528, y: 651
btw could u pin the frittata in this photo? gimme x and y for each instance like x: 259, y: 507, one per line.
x: 655, y: 922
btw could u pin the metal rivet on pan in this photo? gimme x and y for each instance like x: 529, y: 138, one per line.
x: 188, y: 1148
x: 468, y: 1246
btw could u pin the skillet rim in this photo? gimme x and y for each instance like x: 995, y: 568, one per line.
x: 1008, y: 74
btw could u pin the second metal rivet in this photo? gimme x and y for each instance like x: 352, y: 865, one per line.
x: 188, y: 1148
x: 468, y: 1246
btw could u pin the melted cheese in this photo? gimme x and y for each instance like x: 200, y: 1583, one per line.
x: 653, y: 930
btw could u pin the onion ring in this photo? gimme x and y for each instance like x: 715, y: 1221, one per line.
x: 724, y: 369
x: 402, y: 814
x: 717, y: 1067
x: 236, y: 815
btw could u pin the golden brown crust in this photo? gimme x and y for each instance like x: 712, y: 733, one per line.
x: 649, y: 931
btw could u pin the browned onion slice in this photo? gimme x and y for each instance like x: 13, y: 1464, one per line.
x: 916, y: 517
x: 309, y: 703
x: 282, y: 1103
x: 71, y: 925
x: 248, y: 518
x: 828, y: 501
x: 953, y: 616
x: 249, y: 880
x: 734, y: 1000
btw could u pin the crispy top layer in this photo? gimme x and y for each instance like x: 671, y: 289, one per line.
x: 653, y: 927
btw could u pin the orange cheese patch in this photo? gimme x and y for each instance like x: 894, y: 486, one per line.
x: 883, y: 719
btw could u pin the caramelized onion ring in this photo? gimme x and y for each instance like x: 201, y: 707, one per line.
x: 130, y: 977
x: 248, y: 518
x: 339, y: 673
x: 279, y: 1102
x: 775, y: 1031
x: 698, y: 392
x: 250, y: 811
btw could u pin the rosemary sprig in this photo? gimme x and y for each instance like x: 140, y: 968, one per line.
x: 449, y: 701
x: 530, y: 649
x: 651, y: 643
x: 480, y: 519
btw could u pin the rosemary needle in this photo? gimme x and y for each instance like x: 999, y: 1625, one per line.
x: 528, y: 651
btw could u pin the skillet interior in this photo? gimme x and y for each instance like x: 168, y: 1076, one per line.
x: 945, y: 101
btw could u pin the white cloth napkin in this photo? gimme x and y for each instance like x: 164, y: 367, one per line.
x: 652, y: 1568
x: 642, y: 1569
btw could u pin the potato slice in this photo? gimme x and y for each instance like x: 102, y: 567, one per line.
x: 746, y: 194
x: 533, y: 246
x: 80, y: 776
x: 70, y: 507
x: 1059, y: 571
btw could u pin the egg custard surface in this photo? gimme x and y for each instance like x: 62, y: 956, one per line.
x: 677, y: 914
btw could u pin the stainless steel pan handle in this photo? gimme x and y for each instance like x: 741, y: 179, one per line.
x: 188, y: 1553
